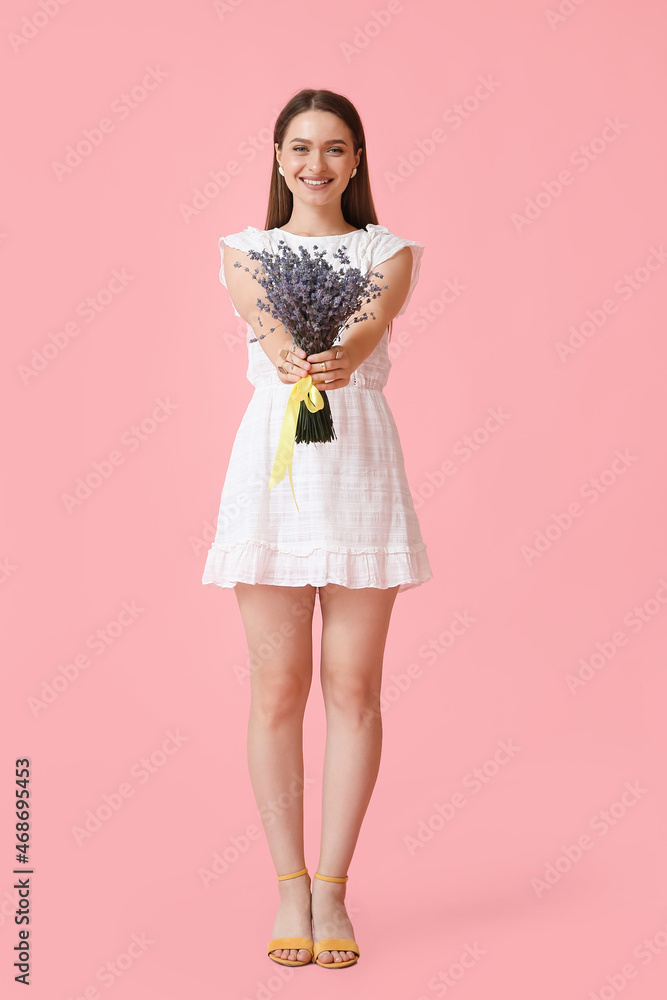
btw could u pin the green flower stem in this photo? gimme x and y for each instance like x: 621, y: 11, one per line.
x: 314, y: 427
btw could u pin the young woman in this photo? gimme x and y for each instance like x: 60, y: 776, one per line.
x: 354, y: 541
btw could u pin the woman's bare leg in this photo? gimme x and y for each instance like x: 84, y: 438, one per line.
x: 354, y: 633
x: 278, y: 626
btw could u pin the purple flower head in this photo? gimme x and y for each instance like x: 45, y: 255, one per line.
x: 311, y: 298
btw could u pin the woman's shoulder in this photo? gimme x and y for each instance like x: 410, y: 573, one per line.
x: 249, y: 238
x: 382, y: 244
x: 383, y: 235
x: 376, y: 230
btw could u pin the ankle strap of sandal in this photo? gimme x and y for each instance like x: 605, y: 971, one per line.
x: 330, y: 878
x: 304, y: 871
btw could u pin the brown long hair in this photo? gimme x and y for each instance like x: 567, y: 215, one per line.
x: 357, y: 200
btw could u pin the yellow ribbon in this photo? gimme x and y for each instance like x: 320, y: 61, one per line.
x: 306, y: 390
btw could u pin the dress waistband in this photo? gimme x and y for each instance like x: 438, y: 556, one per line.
x: 284, y: 387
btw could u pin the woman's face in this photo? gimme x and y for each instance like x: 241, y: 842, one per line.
x: 318, y: 146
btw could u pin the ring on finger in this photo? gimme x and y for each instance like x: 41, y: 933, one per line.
x: 324, y: 365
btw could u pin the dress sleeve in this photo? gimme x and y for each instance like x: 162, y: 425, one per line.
x: 384, y: 245
x: 248, y: 239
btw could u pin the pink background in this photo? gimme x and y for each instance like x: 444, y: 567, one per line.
x: 521, y: 873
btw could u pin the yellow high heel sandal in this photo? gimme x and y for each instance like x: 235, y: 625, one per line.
x: 289, y: 943
x: 335, y: 944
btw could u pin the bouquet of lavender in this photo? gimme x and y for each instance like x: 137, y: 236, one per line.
x: 314, y: 301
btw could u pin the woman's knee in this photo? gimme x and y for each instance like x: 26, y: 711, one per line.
x: 278, y: 694
x: 352, y: 693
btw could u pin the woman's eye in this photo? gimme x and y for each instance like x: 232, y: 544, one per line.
x: 336, y: 148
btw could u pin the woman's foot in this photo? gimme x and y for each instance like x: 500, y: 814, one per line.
x: 294, y: 918
x: 330, y: 918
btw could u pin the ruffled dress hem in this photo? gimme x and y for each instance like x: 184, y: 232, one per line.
x: 256, y: 561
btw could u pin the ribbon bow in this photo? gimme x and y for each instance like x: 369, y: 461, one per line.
x: 306, y: 390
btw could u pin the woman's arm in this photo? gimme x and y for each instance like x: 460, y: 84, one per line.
x: 244, y: 291
x: 361, y: 339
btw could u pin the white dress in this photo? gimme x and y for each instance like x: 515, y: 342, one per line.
x: 356, y: 524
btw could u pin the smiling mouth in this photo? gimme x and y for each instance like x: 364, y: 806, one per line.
x: 315, y: 184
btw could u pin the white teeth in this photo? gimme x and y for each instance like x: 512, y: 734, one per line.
x: 314, y: 183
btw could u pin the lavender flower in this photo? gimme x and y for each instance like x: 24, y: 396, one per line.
x: 314, y: 302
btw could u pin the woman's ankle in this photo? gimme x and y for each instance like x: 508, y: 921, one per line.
x: 294, y: 888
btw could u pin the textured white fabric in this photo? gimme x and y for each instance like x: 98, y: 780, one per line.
x: 356, y: 525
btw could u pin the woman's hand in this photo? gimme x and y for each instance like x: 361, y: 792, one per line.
x: 331, y: 369
x: 292, y: 367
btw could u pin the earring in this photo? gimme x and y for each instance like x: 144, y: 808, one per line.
x: 280, y: 170
x: 353, y: 173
